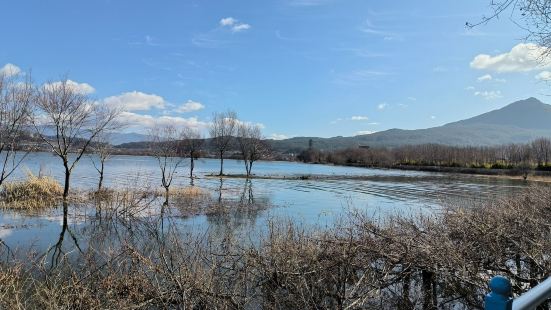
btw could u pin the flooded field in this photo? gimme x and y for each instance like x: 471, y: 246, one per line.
x: 325, y: 193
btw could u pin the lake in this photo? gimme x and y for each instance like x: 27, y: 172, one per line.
x: 312, y: 202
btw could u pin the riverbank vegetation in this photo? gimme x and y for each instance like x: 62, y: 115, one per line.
x: 441, y: 260
x: 35, y: 192
x: 522, y: 158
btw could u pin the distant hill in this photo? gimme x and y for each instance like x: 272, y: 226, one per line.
x: 130, y: 137
x: 519, y: 122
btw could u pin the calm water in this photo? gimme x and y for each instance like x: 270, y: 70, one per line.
x: 312, y: 202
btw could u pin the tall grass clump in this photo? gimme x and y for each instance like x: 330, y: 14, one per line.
x: 34, y: 192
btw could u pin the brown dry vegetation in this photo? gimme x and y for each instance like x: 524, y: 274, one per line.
x: 35, y: 192
x: 433, y: 261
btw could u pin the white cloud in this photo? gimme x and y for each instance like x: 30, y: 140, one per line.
x: 364, y: 132
x: 9, y: 70
x: 190, y: 106
x: 234, y: 24
x: 432, y: 117
x: 260, y: 125
x: 489, y: 95
x: 485, y: 77
x: 240, y: 27
x: 142, y: 122
x: 136, y: 101
x: 412, y: 98
x: 82, y: 88
x: 359, y: 118
x: 521, y: 58
x: 543, y: 76
x: 228, y: 21
x: 382, y: 106
x: 276, y: 136
x: 470, y: 88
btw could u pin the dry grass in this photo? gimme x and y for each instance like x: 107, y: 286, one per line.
x: 33, y: 193
x: 188, y: 192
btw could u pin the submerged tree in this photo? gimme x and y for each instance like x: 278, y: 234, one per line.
x: 103, y: 150
x: 192, y: 142
x: 222, y: 130
x: 15, y: 105
x: 251, y: 145
x: 166, y: 148
x: 67, y: 120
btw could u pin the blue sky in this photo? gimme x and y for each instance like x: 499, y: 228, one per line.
x: 298, y: 67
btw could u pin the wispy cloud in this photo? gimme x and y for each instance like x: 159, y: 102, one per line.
x: 190, y: 106
x: 233, y: 24
x: 276, y: 136
x: 489, y: 95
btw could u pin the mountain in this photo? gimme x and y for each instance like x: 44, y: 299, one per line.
x: 518, y: 122
x: 121, y: 138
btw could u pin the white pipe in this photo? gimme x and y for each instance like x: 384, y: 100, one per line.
x: 534, y: 297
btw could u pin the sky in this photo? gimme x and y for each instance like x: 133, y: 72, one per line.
x: 296, y: 67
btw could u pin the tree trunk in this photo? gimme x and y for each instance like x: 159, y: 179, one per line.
x: 100, y: 177
x: 221, y: 163
x: 191, y: 166
x: 67, y: 180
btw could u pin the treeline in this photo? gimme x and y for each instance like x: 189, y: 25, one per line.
x: 533, y: 155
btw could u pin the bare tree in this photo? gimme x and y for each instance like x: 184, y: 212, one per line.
x: 251, y: 145
x: 192, y: 142
x: 532, y: 16
x: 15, y: 104
x: 103, y: 150
x: 222, y: 130
x: 166, y: 147
x: 67, y: 120
x: 542, y: 150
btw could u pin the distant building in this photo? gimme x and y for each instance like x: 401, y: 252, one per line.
x: 363, y: 147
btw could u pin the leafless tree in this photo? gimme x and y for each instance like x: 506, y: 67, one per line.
x: 166, y: 147
x: 222, y: 130
x: 15, y: 104
x: 542, y: 150
x: 103, y: 150
x: 67, y: 120
x: 533, y: 16
x: 192, y: 142
x: 251, y: 145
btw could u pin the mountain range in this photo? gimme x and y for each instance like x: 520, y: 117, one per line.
x: 519, y: 122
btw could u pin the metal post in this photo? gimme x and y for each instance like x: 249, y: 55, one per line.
x: 499, y: 297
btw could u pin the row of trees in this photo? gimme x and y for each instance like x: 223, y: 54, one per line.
x: 70, y: 124
x: 534, y: 154
x: 171, y: 145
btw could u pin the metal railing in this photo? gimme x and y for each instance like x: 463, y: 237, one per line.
x: 499, y: 297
